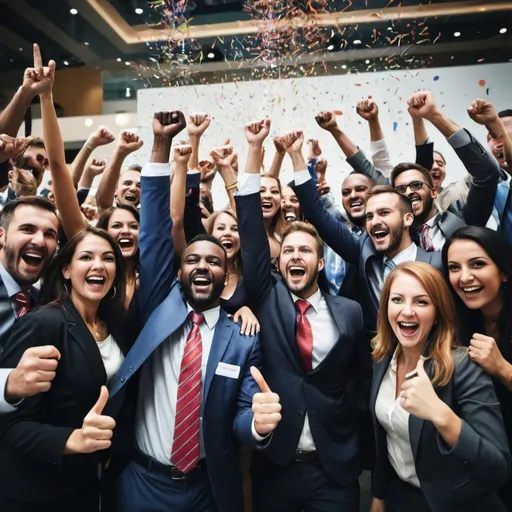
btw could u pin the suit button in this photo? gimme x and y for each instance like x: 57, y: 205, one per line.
x: 466, y: 462
x: 130, y: 369
x: 123, y: 379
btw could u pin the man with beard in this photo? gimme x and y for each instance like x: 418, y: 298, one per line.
x: 435, y: 227
x: 385, y: 243
x: 195, y: 389
x: 312, y: 344
x: 28, y: 239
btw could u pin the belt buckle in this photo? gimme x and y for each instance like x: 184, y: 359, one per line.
x: 177, y: 475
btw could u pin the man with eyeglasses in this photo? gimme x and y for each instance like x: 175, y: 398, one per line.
x: 433, y: 227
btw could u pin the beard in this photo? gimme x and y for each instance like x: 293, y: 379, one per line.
x: 396, y: 236
x: 11, y: 256
x: 201, y: 300
x: 297, y: 289
x: 428, y: 202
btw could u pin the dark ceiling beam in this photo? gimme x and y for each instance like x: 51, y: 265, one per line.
x: 17, y: 43
x: 52, y: 31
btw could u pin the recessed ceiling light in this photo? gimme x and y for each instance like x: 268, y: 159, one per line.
x: 139, y: 10
x: 86, y: 43
x: 119, y: 59
x: 73, y: 11
x: 357, y: 41
x: 344, y: 66
x: 66, y: 63
x: 457, y: 34
x: 89, y: 122
x: 503, y: 31
x: 367, y: 61
x: 127, y: 63
x: 211, y: 55
x: 330, y: 47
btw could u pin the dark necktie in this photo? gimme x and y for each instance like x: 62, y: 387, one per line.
x: 304, y: 334
x: 185, y: 445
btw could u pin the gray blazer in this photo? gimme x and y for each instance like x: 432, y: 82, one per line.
x: 463, y: 478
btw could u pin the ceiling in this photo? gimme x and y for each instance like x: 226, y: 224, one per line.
x: 184, y: 41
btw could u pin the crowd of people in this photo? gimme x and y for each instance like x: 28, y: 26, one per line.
x: 153, y: 347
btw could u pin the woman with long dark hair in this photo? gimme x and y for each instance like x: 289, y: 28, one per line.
x: 52, y: 445
x: 440, y: 440
x: 477, y: 263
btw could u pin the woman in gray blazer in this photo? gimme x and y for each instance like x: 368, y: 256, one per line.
x: 441, y: 444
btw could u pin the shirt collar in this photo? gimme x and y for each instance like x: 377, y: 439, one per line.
x: 314, y: 300
x: 394, y: 359
x: 433, y: 221
x: 10, y: 283
x: 408, y: 254
x: 211, y: 316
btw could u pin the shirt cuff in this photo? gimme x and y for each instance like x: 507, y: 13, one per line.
x: 154, y: 169
x: 459, y: 139
x: 257, y: 437
x: 248, y: 184
x: 84, y: 189
x: 300, y: 177
x: 4, y: 405
x: 377, y: 145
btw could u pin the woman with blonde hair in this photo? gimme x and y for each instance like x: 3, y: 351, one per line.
x: 440, y: 440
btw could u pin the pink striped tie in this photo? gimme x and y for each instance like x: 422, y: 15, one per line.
x: 185, y: 445
x: 23, y: 303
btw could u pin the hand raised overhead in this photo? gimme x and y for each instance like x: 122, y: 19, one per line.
x: 39, y: 79
x: 168, y: 124
x: 257, y: 131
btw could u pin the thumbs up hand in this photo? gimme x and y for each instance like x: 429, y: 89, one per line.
x: 96, y: 431
x: 265, y: 406
x: 418, y: 396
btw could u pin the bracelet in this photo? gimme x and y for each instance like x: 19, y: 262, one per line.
x: 89, y: 147
x: 232, y: 186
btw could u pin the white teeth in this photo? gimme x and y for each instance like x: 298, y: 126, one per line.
x: 124, y: 240
x: 408, y: 324
x: 33, y: 255
x: 96, y: 278
x: 471, y: 289
x: 356, y: 203
x: 415, y: 200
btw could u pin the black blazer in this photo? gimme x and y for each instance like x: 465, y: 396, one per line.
x: 32, y: 438
x: 462, y: 478
x: 324, y: 392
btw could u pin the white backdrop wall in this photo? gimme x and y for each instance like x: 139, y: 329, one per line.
x: 292, y: 105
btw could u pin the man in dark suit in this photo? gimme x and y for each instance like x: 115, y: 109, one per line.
x: 312, y: 343
x: 196, y: 389
x: 28, y: 239
x: 386, y: 242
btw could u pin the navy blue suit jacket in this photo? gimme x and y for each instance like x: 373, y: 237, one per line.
x: 329, y: 393
x: 227, y: 403
x: 357, y: 251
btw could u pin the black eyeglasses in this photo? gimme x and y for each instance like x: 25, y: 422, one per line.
x: 414, y: 185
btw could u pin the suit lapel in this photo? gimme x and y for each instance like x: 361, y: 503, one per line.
x: 85, y: 341
x: 288, y: 315
x: 379, y: 370
x: 221, y: 336
x: 422, y: 255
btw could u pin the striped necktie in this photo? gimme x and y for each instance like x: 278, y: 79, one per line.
x: 185, y: 445
x: 23, y: 303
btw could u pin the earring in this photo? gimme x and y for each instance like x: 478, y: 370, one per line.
x: 115, y: 292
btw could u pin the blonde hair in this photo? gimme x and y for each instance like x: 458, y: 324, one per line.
x: 210, y: 221
x: 443, y: 337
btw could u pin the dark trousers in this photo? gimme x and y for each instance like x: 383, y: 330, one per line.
x: 404, y: 497
x: 85, y: 500
x: 141, y: 490
x: 299, y: 487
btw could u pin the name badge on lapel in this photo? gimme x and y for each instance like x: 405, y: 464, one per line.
x: 228, y: 370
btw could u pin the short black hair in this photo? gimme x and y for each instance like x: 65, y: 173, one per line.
x: 409, y: 166
x: 505, y: 113
x: 35, y: 201
x: 405, y: 202
x: 204, y: 237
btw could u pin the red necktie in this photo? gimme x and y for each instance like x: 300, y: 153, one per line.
x: 304, y: 334
x: 426, y: 241
x: 23, y: 303
x: 185, y: 445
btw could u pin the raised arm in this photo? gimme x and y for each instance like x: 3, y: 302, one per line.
x: 100, y: 137
x: 128, y: 143
x: 277, y: 162
x: 63, y: 189
x: 178, y: 192
x: 424, y: 148
x: 223, y: 158
x: 369, y: 111
x: 255, y: 250
x: 333, y: 232
x: 155, y: 241
x: 197, y: 125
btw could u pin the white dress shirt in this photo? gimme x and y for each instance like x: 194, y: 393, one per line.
x: 156, y: 407
x: 395, y: 421
x: 380, y: 157
x: 12, y: 288
x: 111, y: 355
x: 325, y: 335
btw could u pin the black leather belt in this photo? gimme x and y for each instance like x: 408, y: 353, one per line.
x: 172, y: 472
x: 302, y: 456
